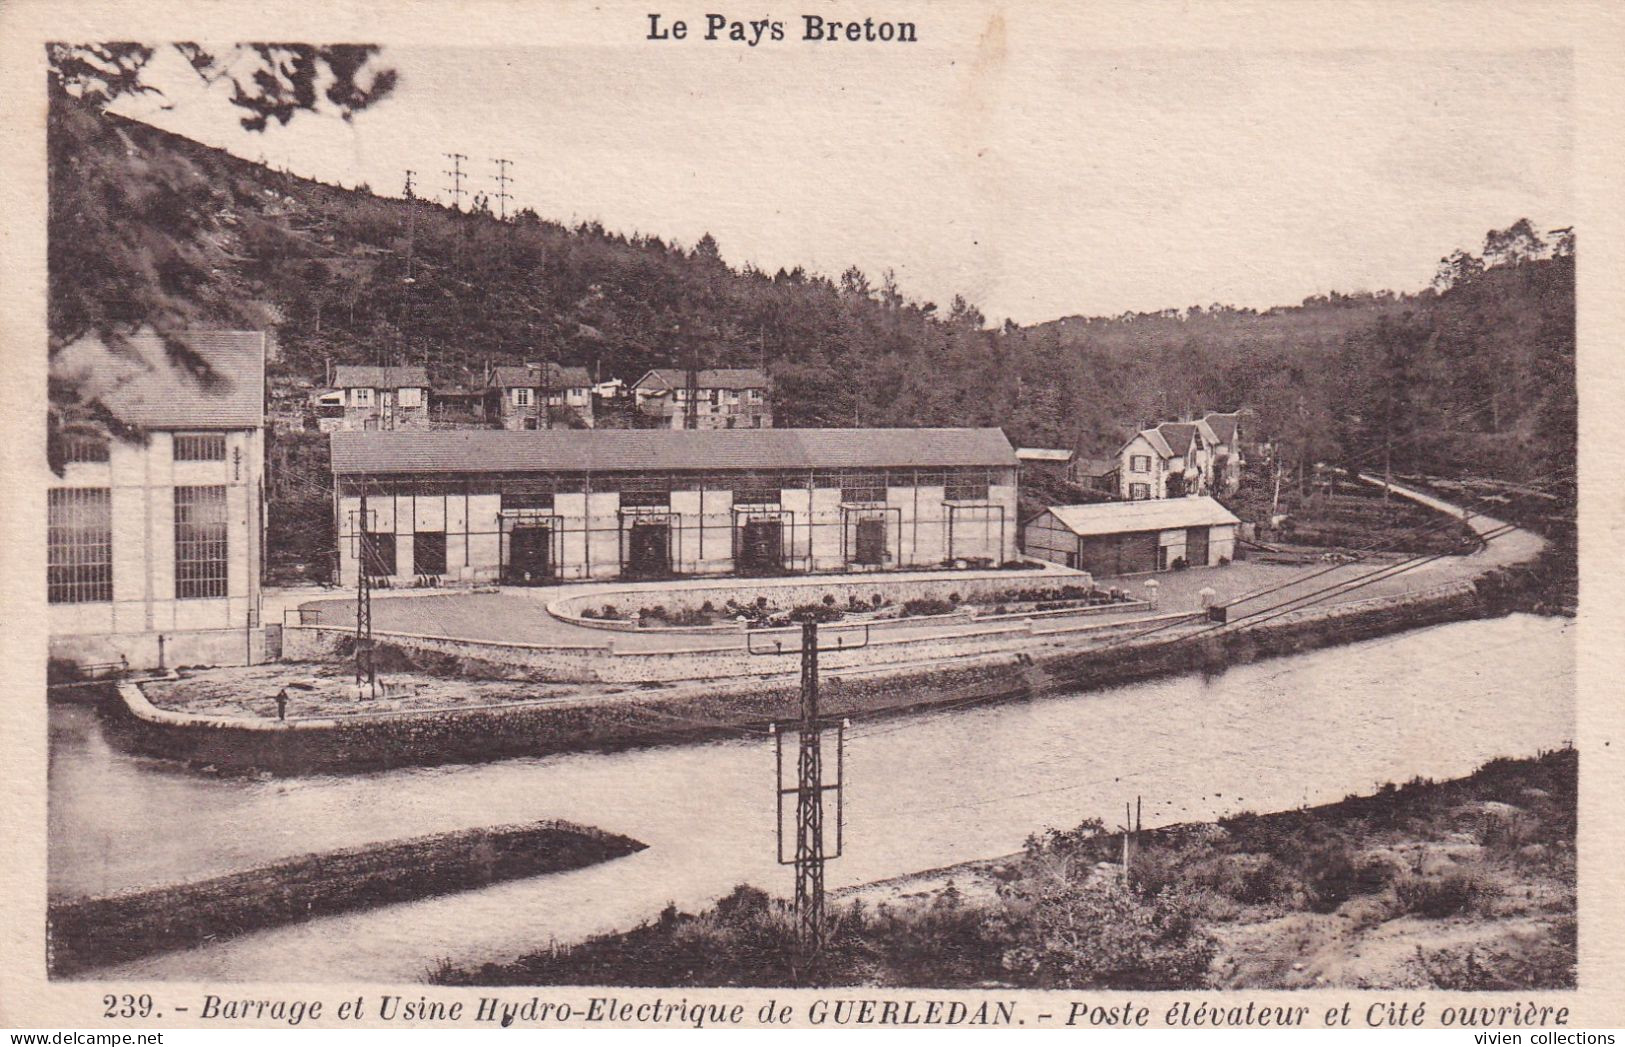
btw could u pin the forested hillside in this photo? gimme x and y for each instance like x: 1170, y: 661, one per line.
x: 1473, y: 375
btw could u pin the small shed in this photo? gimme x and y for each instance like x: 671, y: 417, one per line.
x: 1113, y: 538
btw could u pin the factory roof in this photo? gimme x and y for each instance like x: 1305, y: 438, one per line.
x: 653, y: 450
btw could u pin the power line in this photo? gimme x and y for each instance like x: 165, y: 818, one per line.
x: 502, y: 180
x: 456, y: 189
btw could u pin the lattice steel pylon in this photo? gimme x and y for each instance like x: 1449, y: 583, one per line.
x: 809, y: 861
x: 812, y: 849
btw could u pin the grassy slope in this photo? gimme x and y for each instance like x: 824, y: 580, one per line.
x: 1467, y: 884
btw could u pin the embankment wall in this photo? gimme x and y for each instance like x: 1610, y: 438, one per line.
x: 94, y: 932
x: 724, y: 709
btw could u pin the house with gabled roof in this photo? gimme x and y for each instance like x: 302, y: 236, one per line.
x: 1177, y: 459
x: 1227, y: 453
x: 725, y: 397
x: 365, y: 397
x: 542, y: 395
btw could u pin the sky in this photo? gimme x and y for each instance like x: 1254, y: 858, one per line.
x: 1038, y: 184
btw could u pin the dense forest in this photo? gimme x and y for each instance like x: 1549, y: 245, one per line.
x: 1474, y: 374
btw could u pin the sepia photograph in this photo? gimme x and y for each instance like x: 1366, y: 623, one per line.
x: 790, y: 502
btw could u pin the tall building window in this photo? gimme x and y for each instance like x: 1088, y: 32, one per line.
x: 200, y: 542
x: 200, y: 447
x: 79, y: 545
x: 84, y: 447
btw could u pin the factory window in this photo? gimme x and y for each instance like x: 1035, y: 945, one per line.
x: 970, y: 486
x: 640, y: 490
x: 84, y: 447
x: 200, y: 447
x: 200, y: 542
x: 532, y: 499
x: 646, y: 499
x: 79, y: 545
x: 756, y: 490
x: 863, y: 487
x: 429, y: 552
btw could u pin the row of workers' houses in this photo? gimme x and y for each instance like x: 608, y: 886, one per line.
x: 540, y: 395
x: 528, y: 508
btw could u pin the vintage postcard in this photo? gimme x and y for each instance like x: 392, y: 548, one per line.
x: 552, y: 515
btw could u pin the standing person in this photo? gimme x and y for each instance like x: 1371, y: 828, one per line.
x: 282, y: 704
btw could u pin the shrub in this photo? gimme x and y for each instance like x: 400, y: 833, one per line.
x: 708, y: 608
x: 1224, y: 561
x: 813, y: 612
x: 829, y: 599
x: 609, y: 611
x: 1179, y: 563
x: 926, y: 605
x: 875, y: 600
x: 589, y: 613
x: 1448, y: 894
x: 1078, y: 932
x: 1333, y: 876
x: 953, y: 598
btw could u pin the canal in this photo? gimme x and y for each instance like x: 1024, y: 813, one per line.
x: 924, y: 792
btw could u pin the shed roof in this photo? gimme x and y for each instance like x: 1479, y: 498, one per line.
x: 1094, y: 466
x: 1146, y: 515
x: 652, y: 450
x: 1043, y: 454
x: 144, y: 387
x: 363, y: 376
x: 529, y: 376
x: 708, y: 378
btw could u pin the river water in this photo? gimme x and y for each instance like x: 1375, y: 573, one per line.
x: 923, y: 792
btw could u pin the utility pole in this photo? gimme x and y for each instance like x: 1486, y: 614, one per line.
x: 408, y: 281
x: 502, y: 194
x: 456, y: 175
x: 811, y: 845
x: 547, y: 393
x: 691, y: 389
x: 365, y: 669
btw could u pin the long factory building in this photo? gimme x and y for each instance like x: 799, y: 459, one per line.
x: 534, y: 507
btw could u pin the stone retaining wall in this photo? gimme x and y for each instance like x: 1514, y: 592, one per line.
x: 699, y: 712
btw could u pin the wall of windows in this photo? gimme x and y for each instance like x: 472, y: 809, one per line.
x: 79, y: 545
x: 200, y: 542
x: 200, y: 447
